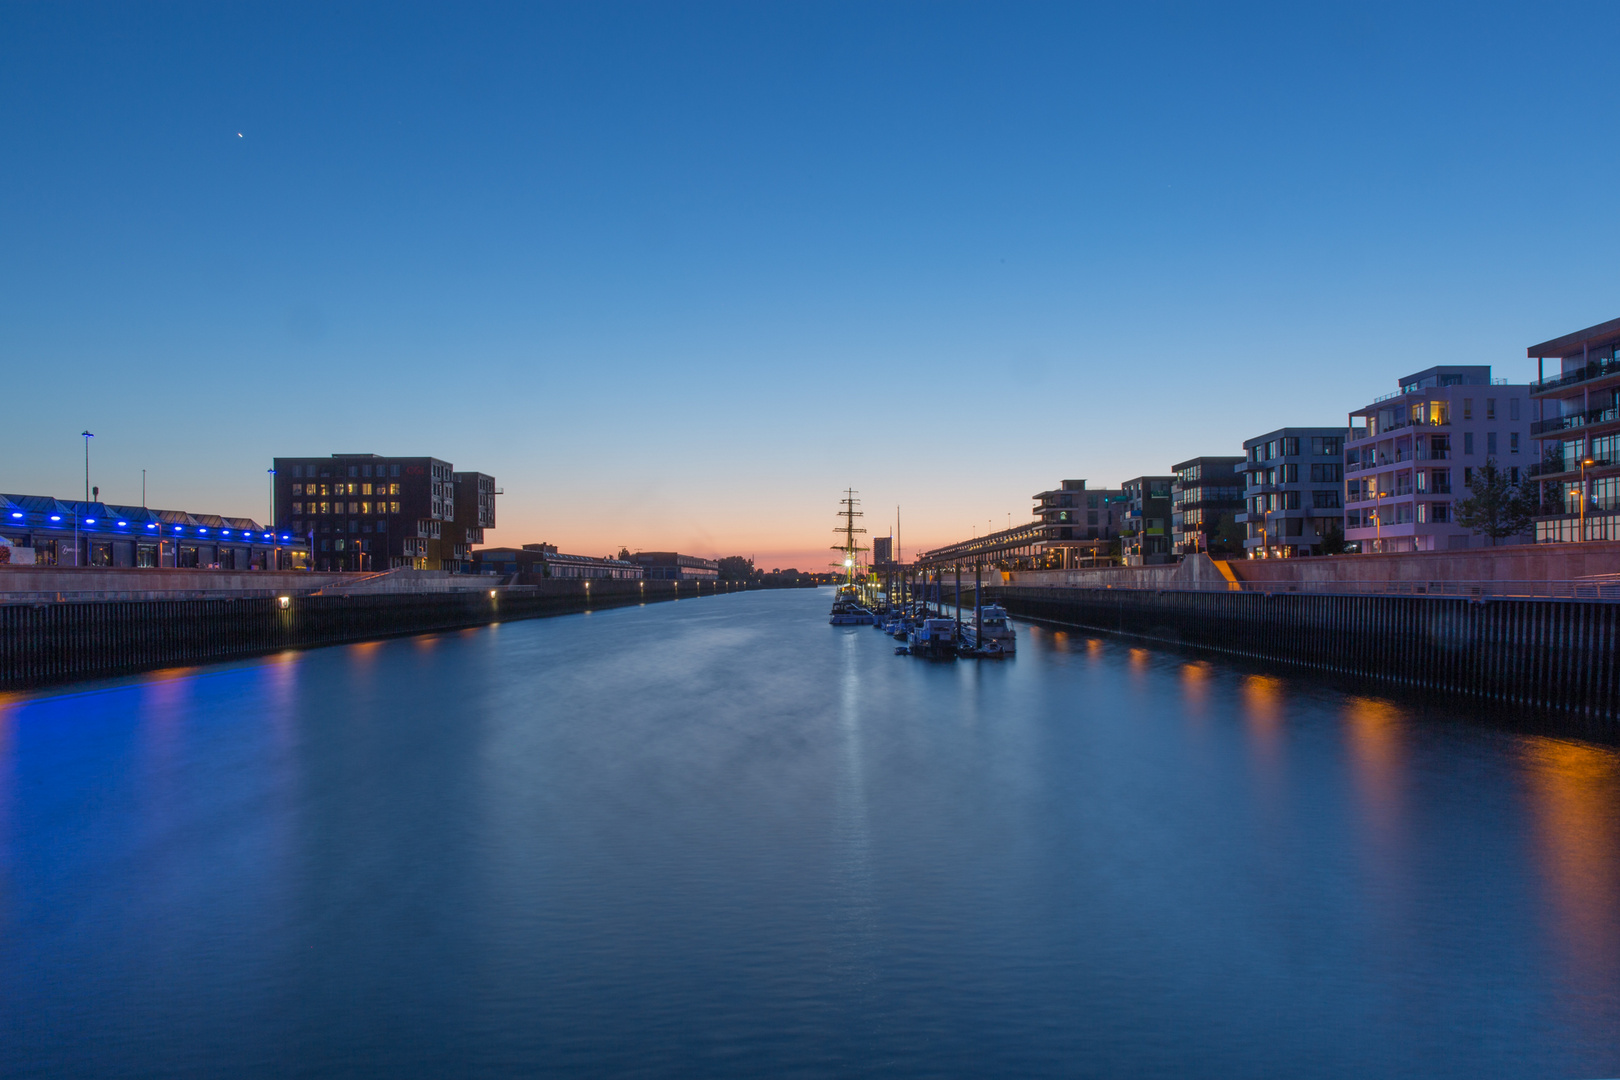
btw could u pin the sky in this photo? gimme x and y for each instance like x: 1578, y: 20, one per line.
x: 678, y: 274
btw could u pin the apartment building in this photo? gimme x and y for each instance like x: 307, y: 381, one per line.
x: 1577, y: 431
x: 1411, y: 456
x: 1203, y: 490
x: 1293, y: 479
x: 1075, y: 525
x: 369, y: 512
x: 1144, y: 531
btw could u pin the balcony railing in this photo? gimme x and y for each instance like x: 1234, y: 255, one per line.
x: 1601, y: 369
x: 1575, y: 420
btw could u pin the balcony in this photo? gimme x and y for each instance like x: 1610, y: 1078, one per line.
x: 1575, y: 420
x: 1600, y: 370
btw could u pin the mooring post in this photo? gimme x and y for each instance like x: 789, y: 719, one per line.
x: 978, y: 605
x: 958, y: 601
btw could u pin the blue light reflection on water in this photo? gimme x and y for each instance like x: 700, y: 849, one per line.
x: 721, y: 837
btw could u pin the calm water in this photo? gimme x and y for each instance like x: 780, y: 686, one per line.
x: 720, y: 837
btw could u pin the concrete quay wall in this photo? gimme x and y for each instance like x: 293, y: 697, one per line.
x: 51, y: 642
x: 1550, y: 654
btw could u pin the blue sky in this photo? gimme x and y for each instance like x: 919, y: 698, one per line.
x: 677, y: 274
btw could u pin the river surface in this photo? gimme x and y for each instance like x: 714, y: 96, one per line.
x: 721, y: 838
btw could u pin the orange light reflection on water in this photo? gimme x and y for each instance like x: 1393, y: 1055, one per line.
x: 1575, y: 798
x: 1374, y: 732
x: 1261, y: 698
x: 1195, y: 688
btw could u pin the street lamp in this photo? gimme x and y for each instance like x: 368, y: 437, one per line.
x: 1584, y: 463
x: 87, y: 437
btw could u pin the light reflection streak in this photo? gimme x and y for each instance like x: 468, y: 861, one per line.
x: 1575, y: 800
x: 1374, y: 730
x: 1195, y: 688
x: 1261, y: 700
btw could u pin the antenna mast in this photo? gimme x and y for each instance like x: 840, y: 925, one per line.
x: 850, y: 549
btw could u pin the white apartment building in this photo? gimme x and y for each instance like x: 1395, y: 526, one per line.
x: 1412, y: 454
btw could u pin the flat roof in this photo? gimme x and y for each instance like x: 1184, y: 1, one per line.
x: 1570, y: 344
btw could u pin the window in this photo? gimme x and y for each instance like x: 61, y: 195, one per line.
x: 1440, y: 513
x: 1468, y: 408
x: 1422, y: 513
x: 1468, y: 442
x: 1513, y: 442
x: 365, y: 507
x: 298, y: 508
x: 326, y: 508
x: 1490, y: 442
x: 1468, y: 476
x: 1442, y: 481
x: 1603, y: 447
x: 1327, y: 474
x: 1091, y: 503
x: 354, y: 470
x: 393, y: 470
x: 1439, y: 447
x: 1289, y: 500
x: 1403, y: 513
x: 1091, y: 517
x: 1289, y: 447
x: 1325, y: 500
x: 1439, y: 413
x: 1422, y: 481
x: 1403, y: 483
x: 1513, y: 408
x: 1288, y: 474
x: 1490, y: 408
x: 298, y: 489
x: 393, y: 507
x: 1325, y: 446
x: 1513, y: 475
x: 365, y: 489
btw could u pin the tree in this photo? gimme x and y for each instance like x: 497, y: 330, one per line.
x: 1332, y: 536
x: 1496, y: 507
x: 624, y: 553
x: 736, y: 568
x: 1228, y: 538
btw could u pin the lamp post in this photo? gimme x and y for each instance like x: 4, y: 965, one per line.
x: 1584, y: 463
x: 87, y: 437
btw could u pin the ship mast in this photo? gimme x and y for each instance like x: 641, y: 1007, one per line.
x: 850, y: 548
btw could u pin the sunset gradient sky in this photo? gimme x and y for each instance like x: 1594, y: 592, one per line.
x: 677, y: 274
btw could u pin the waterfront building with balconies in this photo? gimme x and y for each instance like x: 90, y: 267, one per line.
x: 1292, y: 488
x: 1411, y: 456
x: 1144, y: 530
x: 1577, y: 430
x: 1203, y: 491
x: 1076, y: 526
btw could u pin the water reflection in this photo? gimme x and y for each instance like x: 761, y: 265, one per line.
x: 725, y: 839
x: 1575, y: 799
x: 1373, y: 728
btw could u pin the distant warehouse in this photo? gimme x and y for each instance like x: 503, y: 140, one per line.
x: 544, y: 560
x: 669, y: 566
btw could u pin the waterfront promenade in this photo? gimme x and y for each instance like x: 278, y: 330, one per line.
x: 725, y: 839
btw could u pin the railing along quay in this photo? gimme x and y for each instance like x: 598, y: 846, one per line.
x: 43, y: 642
x: 1548, y: 653
x: 1577, y: 589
